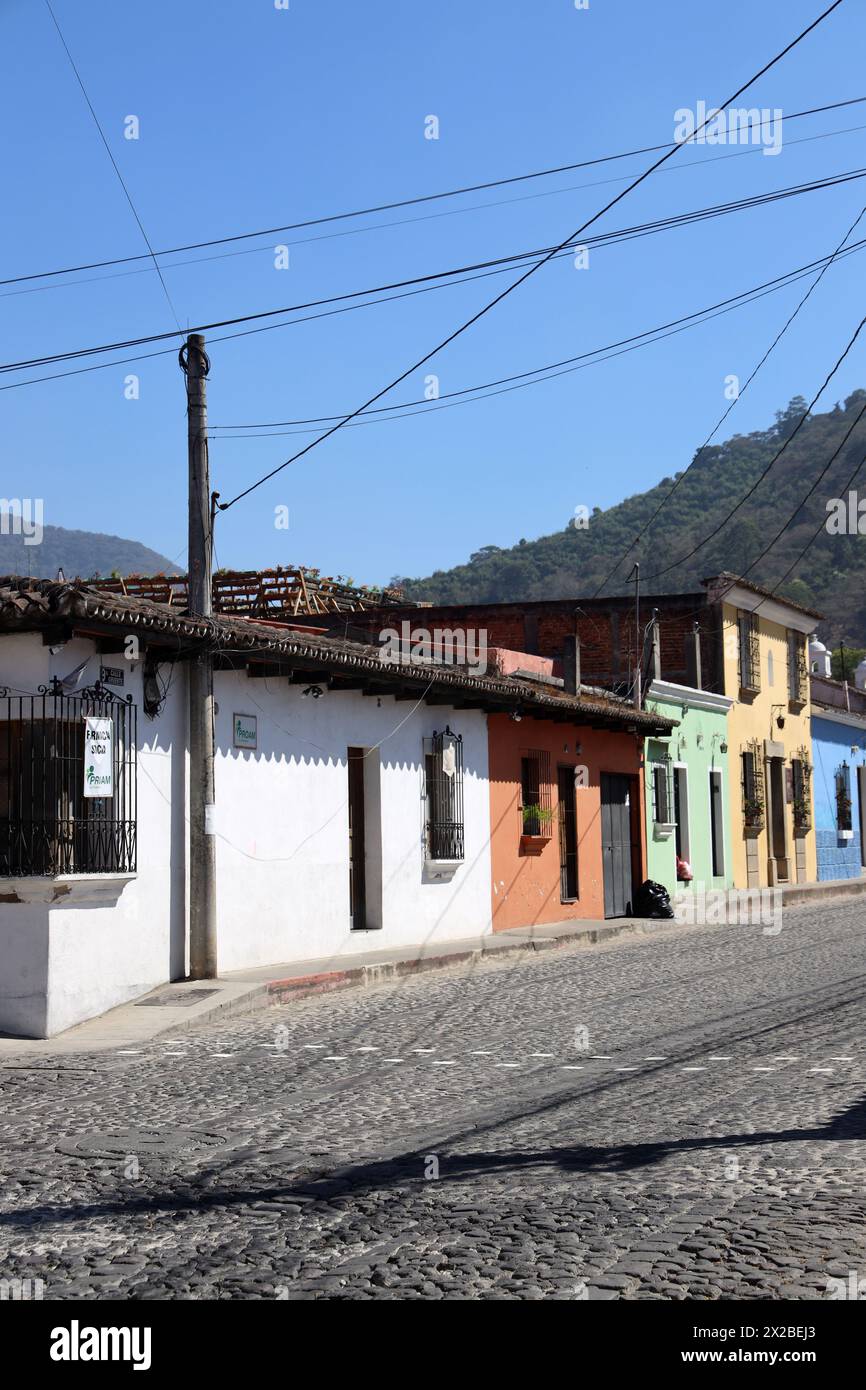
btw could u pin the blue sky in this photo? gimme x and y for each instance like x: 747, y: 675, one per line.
x: 252, y: 117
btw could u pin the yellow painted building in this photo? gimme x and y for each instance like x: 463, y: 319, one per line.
x: 765, y: 665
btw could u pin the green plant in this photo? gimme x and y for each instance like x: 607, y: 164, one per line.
x: 753, y: 811
x: 537, y: 820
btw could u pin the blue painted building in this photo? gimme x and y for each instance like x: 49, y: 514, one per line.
x: 839, y: 777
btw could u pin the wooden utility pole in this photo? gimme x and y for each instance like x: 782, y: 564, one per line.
x: 202, y: 850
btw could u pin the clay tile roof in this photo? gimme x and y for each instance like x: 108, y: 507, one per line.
x: 727, y: 580
x: 32, y: 604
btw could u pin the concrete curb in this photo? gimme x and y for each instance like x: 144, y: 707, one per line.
x: 283, y: 991
x: 247, y: 992
x: 829, y: 888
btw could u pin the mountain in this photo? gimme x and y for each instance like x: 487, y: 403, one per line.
x: 831, y: 576
x: 80, y: 554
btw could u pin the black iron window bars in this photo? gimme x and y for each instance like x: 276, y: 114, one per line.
x: 750, y: 652
x: 536, y: 808
x: 843, y: 797
x: 47, y: 823
x: 443, y: 769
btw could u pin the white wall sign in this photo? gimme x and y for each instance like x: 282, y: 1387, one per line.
x: 244, y: 727
x: 98, y: 755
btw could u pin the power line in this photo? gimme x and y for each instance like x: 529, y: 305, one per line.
x: 114, y: 166
x: 812, y: 539
x: 710, y: 536
x: 723, y: 417
x: 757, y: 292
x: 403, y: 202
x: 457, y: 274
x: 485, y: 309
x: 812, y: 490
x: 819, y: 528
x: 612, y: 237
x: 409, y: 221
x: 636, y: 340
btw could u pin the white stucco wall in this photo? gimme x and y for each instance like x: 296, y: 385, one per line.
x: 60, y: 965
x: 282, y: 824
x: 282, y: 843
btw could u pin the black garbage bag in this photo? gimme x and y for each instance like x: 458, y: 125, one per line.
x: 652, y: 900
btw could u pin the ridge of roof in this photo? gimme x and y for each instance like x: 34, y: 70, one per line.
x: 731, y: 579
x: 28, y: 605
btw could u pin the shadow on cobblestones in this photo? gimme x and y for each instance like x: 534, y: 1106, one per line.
x: 597, y: 1160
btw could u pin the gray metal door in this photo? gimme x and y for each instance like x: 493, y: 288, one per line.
x: 616, y: 842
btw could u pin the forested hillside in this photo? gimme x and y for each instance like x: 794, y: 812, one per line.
x: 830, y: 577
x: 80, y: 554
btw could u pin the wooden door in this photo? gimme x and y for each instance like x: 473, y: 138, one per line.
x: 568, y: 889
x: 357, y: 846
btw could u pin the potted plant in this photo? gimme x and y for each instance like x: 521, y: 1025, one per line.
x: 536, y: 822
x: 843, y: 815
x: 753, y: 814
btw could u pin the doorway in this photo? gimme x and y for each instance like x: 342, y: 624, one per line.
x: 861, y: 799
x: 357, y: 842
x: 618, y: 802
x: 568, y: 890
x: 779, y: 871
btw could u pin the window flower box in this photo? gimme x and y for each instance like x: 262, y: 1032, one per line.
x: 663, y: 830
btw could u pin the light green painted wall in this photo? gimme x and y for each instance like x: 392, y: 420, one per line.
x: 696, y: 743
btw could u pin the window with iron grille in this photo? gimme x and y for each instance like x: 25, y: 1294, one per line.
x: 843, y: 797
x: 798, y: 678
x: 443, y: 791
x: 752, y: 786
x: 662, y: 792
x: 536, y: 806
x: 750, y: 652
x: 48, y: 825
x: 802, y: 778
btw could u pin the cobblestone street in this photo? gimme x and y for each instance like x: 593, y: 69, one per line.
x: 678, y: 1116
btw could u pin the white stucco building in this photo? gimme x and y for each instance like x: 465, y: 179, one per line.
x: 346, y: 819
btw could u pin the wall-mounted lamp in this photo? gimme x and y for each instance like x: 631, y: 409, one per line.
x: 780, y: 718
x: 153, y: 693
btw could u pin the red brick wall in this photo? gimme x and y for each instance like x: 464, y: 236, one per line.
x: 605, y: 626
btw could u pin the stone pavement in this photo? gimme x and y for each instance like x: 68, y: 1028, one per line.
x: 183, y: 1004
x: 671, y: 1116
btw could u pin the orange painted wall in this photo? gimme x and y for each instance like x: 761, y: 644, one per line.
x: 526, y: 886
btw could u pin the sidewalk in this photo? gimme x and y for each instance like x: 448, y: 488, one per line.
x: 243, y: 992
x: 187, y: 1003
